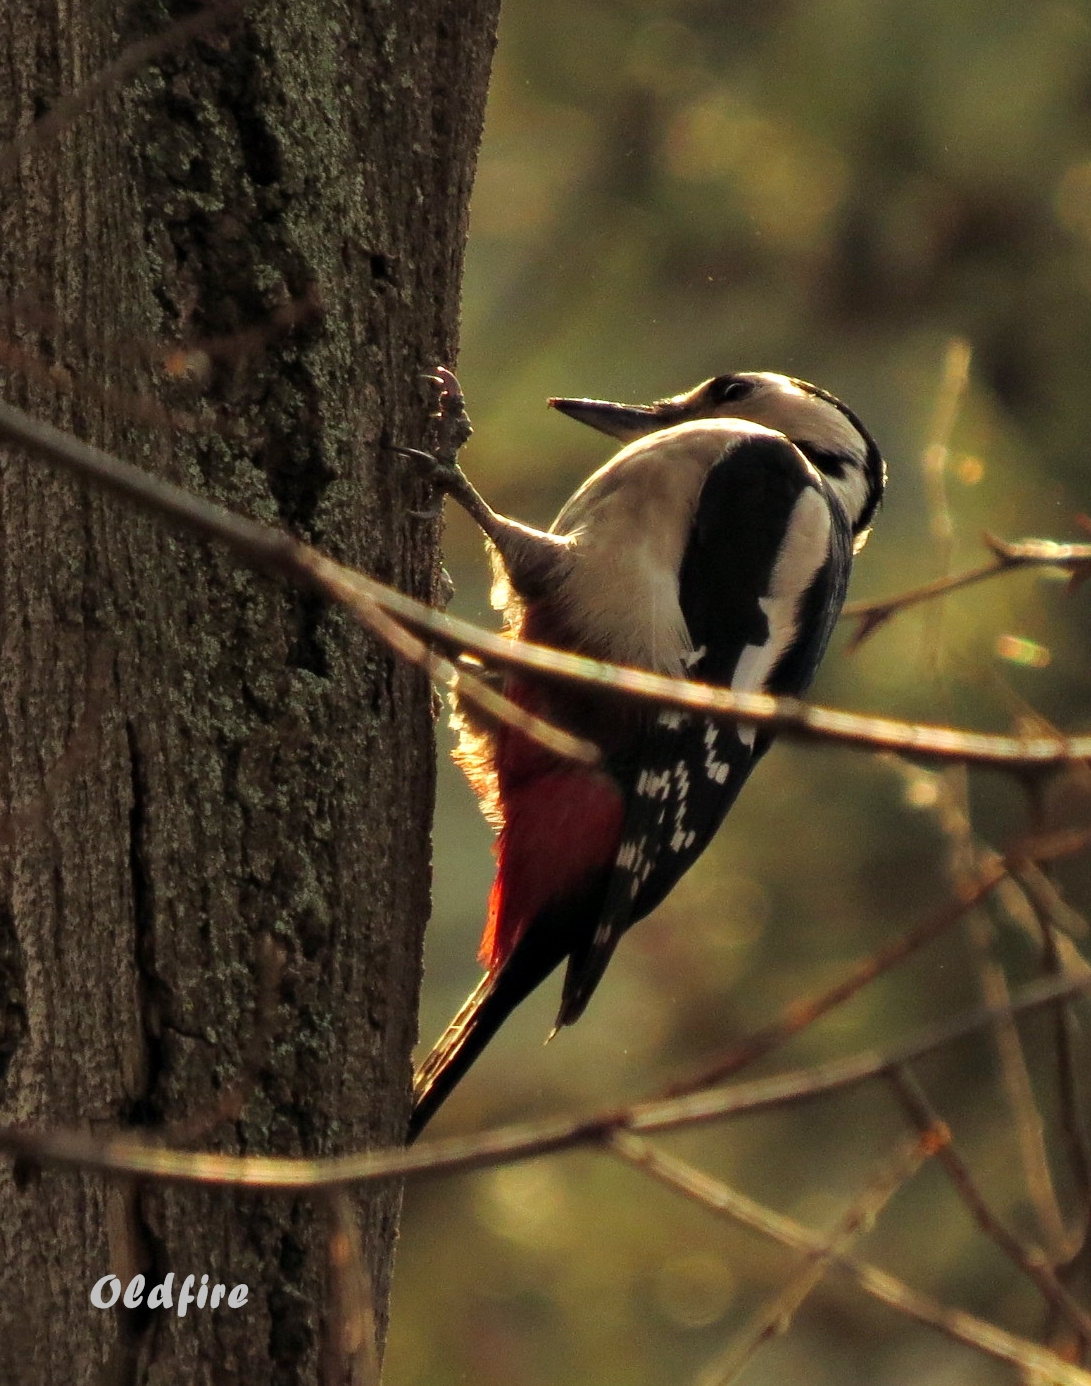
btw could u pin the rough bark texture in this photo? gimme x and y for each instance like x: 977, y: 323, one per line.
x: 193, y: 758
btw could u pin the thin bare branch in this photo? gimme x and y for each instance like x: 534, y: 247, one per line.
x: 1019, y: 1091
x: 967, y: 858
x: 194, y: 358
x: 966, y: 855
x: 954, y: 383
x: 956, y: 1324
x: 121, y: 70
x: 70, y: 1149
x: 189, y: 360
x: 276, y: 553
x: 1049, y: 909
x: 1048, y: 903
x: 774, y: 1318
x: 331, y: 579
x: 1030, y: 1260
x: 941, y: 524
x: 1075, y: 559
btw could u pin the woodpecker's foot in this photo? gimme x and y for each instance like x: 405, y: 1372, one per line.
x: 441, y: 467
x: 447, y: 477
x: 433, y: 471
x: 453, y: 423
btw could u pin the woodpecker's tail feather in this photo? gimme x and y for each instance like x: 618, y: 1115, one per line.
x: 477, y: 1020
x: 541, y: 949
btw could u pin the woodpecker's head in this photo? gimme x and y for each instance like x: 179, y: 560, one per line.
x: 826, y: 431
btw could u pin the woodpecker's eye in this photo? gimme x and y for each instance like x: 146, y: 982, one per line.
x: 729, y: 389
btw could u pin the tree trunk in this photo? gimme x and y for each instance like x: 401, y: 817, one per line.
x: 194, y: 761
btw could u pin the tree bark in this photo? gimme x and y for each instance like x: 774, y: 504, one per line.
x: 193, y: 761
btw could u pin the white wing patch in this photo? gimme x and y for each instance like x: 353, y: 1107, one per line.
x: 716, y: 770
x: 805, y: 548
x: 670, y: 789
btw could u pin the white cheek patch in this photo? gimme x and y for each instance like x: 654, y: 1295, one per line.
x: 853, y: 490
x: 805, y: 548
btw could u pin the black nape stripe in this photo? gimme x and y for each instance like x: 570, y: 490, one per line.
x: 829, y: 463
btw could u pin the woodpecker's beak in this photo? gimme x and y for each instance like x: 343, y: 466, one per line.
x: 625, y: 422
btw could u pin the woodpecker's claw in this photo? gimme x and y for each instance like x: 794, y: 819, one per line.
x: 453, y: 428
x: 433, y: 468
x: 454, y: 423
x: 448, y: 479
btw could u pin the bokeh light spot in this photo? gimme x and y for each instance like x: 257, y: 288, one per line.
x: 527, y: 1204
x: 694, y: 1290
x: 970, y: 470
x: 1017, y: 649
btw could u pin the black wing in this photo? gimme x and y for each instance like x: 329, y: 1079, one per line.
x: 766, y: 523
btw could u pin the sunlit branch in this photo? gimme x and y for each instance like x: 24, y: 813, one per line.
x: 1019, y: 1090
x: 270, y: 959
x: 1075, y: 559
x: 121, y: 1155
x: 273, y: 552
x: 1030, y: 1260
x: 718, y: 1198
x: 191, y: 360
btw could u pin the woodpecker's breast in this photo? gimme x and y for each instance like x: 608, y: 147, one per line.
x: 630, y: 525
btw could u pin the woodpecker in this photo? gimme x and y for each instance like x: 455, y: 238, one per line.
x: 716, y: 545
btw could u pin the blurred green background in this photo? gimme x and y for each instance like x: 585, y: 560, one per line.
x: 834, y: 189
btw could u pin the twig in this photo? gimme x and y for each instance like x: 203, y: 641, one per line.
x: 121, y: 70
x: 1049, y: 908
x: 775, y: 1317
x: 276, y: 553
x: 967, y: 858
x: 1030, y: 1260
x: 72, y: 1149
x: 1074, y: 559
x: 956, y: 378
x: 955, y: 819
x: 193, y: 358
x: 1048, y: 901
x: 179, y: 360
x: 717, y: 1197
x: 1019, y: 1090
